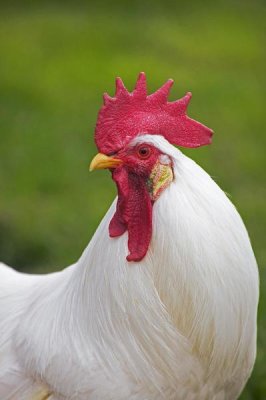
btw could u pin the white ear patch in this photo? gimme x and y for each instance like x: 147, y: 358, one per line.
x: 160, y: 178
x: 164, y: 159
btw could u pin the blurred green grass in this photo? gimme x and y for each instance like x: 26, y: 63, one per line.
x: 56, y: 59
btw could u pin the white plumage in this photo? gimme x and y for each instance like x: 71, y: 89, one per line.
x: 179, y: 325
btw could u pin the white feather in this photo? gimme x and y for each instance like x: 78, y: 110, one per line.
x: 179, y: 325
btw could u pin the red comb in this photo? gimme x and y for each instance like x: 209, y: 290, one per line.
x: 126, y: 115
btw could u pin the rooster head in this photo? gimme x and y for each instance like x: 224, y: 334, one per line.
x: 124, y: 136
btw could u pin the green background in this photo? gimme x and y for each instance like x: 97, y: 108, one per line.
x: 56, y: 59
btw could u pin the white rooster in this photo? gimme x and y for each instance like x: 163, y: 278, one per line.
x: 160, y: 307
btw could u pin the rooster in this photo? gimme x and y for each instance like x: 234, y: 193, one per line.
x: 162, y: 303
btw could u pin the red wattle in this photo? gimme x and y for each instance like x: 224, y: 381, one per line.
x: 133, y: 213
x: 118, y: 224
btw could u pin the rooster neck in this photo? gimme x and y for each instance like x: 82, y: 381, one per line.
x: 199, y: 258
x: 182, y: 316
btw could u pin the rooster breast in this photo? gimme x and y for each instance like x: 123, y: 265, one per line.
x: 179, y: 325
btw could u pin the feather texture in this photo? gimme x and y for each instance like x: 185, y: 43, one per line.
x: 179, y: 325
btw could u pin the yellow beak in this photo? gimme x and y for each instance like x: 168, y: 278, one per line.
x: 101, y: 161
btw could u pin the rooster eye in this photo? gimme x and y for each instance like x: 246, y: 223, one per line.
x: 144, y: 152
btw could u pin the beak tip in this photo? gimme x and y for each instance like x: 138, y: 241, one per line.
x: 91, y: 167
x: 101, y: 161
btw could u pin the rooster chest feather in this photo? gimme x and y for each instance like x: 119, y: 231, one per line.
x: 182, y: 317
